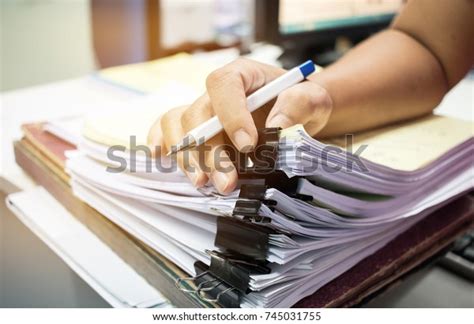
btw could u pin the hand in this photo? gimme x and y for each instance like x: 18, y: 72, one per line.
x: 306, y: 103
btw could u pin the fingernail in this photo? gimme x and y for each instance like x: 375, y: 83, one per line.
x: 280, y: 120
x: 220, y: 181
x: 195, y: 174
x: 243, y: 141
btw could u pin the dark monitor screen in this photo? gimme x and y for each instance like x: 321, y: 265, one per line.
x: 301, y: 16
x: 309, y: 28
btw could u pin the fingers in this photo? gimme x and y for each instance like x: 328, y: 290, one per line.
x: 172, y: 134
x: 210, y: 161
x: 228, y: 88
x: 196, y: 114
x: 213, y: 160
x: 306, y: 103
x: 219, y: 167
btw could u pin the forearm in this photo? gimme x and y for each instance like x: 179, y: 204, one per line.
x: 388, y: 78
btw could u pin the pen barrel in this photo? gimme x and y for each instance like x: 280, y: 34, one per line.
x: 260, y: 97
x: 272, y: 89
x: 206, y: 130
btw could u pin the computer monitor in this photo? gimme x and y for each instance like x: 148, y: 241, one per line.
x: 306, y: 28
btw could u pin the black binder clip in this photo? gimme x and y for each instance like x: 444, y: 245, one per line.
x: 210, y: 288
x: 244, y: 238
x: 262, y: 164
x: 250, y: 200
x: 243, y: 233
x: 235, y: 270
x: 225, y: 280
x: 289, y: 186
x: 263, y: 159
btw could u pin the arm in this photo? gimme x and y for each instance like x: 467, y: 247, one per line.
x: 403, y: 72
x: 398, y: 74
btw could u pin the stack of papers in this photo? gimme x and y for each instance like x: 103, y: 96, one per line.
x: 405, y: 172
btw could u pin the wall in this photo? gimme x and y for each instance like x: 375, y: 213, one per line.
x: 44, y: 41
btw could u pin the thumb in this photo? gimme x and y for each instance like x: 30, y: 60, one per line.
x: 306, y: 103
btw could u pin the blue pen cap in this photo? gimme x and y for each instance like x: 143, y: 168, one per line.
x: 307, y: 68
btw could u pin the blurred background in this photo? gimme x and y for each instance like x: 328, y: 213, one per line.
x: 48, y: 40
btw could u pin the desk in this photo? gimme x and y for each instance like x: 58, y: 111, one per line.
x: 54, y: 100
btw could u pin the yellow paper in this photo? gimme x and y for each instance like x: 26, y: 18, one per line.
x: 410, y: 145
x: 118, y: 129
x: 152, y: 75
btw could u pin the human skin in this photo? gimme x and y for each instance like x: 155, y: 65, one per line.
x: 398, y: 74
